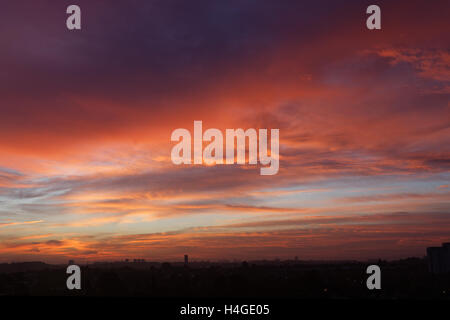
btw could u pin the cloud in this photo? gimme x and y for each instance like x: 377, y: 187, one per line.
x: 7, y: 224
x: 433, y: 64
x: 56, y: 243
x: 87, y: 117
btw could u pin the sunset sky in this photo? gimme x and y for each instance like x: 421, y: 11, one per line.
x: 86, y: 120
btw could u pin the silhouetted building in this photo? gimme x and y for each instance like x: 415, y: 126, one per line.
x: 186, y: 259
x: 71, y: 262
x: 446, y: 247
x: 439, y: 258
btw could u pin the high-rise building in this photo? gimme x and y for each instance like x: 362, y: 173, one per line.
x: 439, y: 258
x: 186, y: 259
x: 446, y: 247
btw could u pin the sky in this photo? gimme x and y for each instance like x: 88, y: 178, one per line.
x: 86, y: 118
